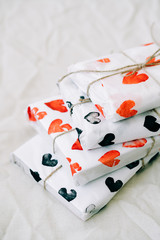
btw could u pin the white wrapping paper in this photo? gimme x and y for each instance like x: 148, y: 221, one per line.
x: 121, y: 96
x: 98, y: 131
x: 35, y: 158
x: 52, y: 119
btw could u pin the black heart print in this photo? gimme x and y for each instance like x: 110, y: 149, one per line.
x: 133, y: 164
x: 92, y: 117
x: 47, y: 161
x: 113, y: 186
x: 70, y: 105
x: 82, y: 97
x: 107, y: 140
x: 151, y: 124
x: 35, y: 175
x: 68, y: 196
x: 79, y: 131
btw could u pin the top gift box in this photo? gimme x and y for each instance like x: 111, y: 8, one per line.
x: 121, y: 85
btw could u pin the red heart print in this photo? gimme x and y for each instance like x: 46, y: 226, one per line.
x: 135, y: 143
x: 77, y: 145
x: 100, y: 109
x: 69, y: 159
x: 125, y: 109
x: 74, y: 167
x: 153, y: 60
x: 147, y: 44
x: 55, y: 126
x: 108, y: 158
x: 34, y: 115
x: 104, y: 60
x: 134, y: 78
x: 57, y: 105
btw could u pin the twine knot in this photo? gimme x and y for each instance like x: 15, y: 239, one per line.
x: 81, y: 101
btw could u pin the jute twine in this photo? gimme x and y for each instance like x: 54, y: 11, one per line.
x: 143, y: 165
x: 152, y: 145
x: 126, y: 69
x: 81, y: 101
x: 50, y: 175
x: 55, y: 170
x: 156, y: 112
x: 71, y: 130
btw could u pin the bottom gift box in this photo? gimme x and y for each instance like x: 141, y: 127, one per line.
x: 36, y: 159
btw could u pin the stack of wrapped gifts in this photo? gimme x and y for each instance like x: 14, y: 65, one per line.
x: 102, y: 128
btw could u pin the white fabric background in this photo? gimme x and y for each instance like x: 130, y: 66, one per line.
x: 39, y: 39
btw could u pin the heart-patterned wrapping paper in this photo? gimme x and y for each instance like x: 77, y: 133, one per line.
x: 124, y: 95
x: 98, y: 131
x: 35, y: 158
x: 51, y: 118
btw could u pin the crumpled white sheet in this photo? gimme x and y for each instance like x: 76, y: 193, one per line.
x: 39, y: 40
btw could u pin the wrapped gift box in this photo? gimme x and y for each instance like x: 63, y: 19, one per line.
x: 81, y: 164
x: 122, y: 95
x: 98, y: 131
x: 36, y: 159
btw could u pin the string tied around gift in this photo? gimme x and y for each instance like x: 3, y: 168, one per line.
x: 55, y: 170
x: 50, y: 175
x: 81, y: 101
x: 131, y: 69
x: 149, y: 151
x: 155, y: 110
x: 65, y: 132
